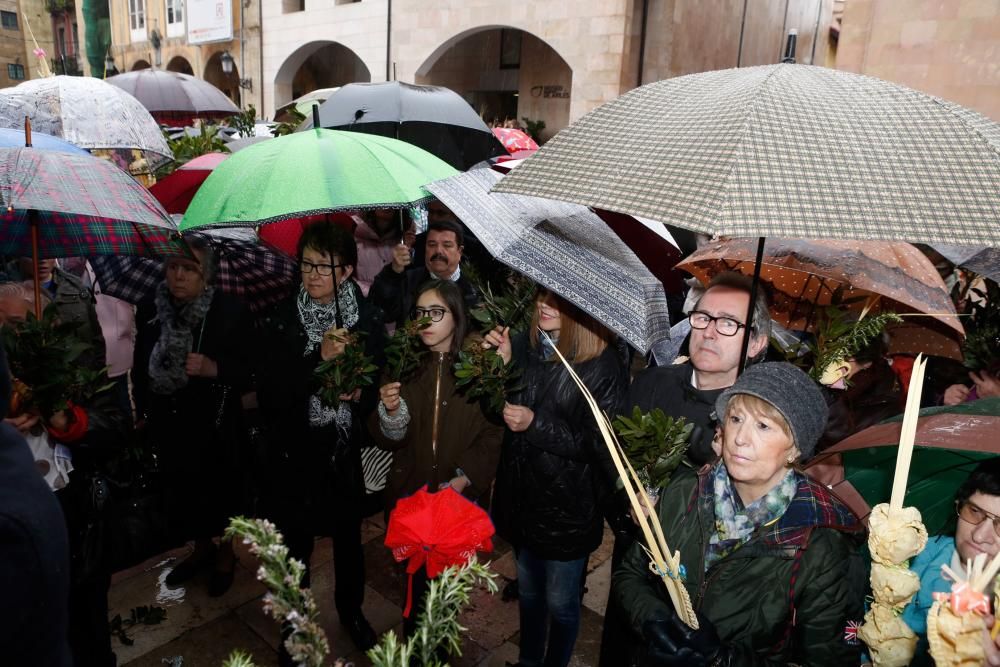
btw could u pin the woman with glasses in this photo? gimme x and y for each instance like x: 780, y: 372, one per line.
x: 977, y: 531
x: 555, y: 470
x: 438, y: 437
x: 313, y: 449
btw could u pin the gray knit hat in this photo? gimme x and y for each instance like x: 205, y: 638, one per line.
x: 791, y: 392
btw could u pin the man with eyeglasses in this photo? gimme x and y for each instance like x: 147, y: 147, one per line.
x: 394, y: 288
x: 689, y: 390
x: 977, y: 531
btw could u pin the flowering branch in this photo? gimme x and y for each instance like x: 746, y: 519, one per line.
x: 286, y: 600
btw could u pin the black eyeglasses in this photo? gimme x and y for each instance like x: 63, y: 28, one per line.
x: 436, y: 313
x: 726, y: 326
x: 972, y: 513
x: 306, y: 266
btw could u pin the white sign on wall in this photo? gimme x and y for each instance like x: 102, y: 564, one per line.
x: 209, y: 21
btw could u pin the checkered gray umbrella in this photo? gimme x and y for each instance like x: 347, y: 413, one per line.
x: 567, y: 249
x: 781, y: 150
x: 247, y: 269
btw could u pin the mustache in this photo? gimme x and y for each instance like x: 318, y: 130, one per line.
x: 438, y: 256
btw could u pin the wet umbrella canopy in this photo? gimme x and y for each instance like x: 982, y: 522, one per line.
x: 172, y: 97
x: 434, y: 118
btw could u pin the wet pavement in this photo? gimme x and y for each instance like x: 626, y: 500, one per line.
x: 203, y: 631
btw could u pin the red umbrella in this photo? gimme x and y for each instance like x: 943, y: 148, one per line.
x: 177, y: 190
x: 284, y: 235
x: 515, y: 140
x: 436, y: 530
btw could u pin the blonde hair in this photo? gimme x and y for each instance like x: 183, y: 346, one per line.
x: 759, y: 408
x: 581, y: 337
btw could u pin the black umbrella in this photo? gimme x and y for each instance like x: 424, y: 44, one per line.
x: 434, y: 118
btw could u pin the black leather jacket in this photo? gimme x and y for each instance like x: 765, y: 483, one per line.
x: 554, y: 476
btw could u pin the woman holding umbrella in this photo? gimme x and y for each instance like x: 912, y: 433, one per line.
x: 314, y: 463
x: 192, y: 363
x: 554, y: 469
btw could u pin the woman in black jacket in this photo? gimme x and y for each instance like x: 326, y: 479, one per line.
x: 314, y: 461
x: 554, y: 469
x: 192, y: 362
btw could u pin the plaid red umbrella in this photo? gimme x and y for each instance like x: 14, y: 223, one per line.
x: 259, y: 276
x: 66, y: 205
x: 436, y: 530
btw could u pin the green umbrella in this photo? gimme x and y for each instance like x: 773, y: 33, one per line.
x: 950, y: 441
x: 310, y: 173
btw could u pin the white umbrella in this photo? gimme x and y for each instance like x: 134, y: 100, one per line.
x: 88, y: 113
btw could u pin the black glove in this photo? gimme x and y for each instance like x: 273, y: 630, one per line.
x: 672, y: 643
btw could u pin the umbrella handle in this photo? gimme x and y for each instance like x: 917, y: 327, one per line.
x: 754, y: 287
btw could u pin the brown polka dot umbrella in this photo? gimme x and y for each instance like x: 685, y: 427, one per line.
x: 803, y: 276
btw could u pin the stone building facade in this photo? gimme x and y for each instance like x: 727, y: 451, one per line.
x: 948, y: 48
x: 550, y: 61
x: 154, y: 33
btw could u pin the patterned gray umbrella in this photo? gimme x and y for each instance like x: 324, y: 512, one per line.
x: 88, y: 113
x: 568, y: 249
x: 782, y: 150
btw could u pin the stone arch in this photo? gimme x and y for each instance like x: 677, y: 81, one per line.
x: 504, y: 72
x: 180, y: 64
x: 138, y: 65
x: 319, y: 64
x: 227, y: 83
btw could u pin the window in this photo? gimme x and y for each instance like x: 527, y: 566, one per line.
x: 9, y: 20
x: 137, y: 20
x: 76, y: 38
x: 15, y: 72
x: 62, y: 42
x: 175, y: 18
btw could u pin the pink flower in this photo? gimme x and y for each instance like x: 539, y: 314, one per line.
x: 39, y: 52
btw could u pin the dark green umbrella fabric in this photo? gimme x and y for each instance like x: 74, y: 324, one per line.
x: 950, y: 441
x: 313, y: 172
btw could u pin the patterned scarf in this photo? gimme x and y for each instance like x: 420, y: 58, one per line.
x: 317, y: 318
x: 734, y: 523
x: 176, y: 341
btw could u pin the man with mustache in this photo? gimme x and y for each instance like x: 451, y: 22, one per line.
x: 394, y: 287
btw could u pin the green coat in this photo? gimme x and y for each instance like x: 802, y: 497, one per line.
x: 748, y: 594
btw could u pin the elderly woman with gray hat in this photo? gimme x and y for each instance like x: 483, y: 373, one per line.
x: 771, y: 558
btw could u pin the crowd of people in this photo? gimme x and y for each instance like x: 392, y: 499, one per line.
x: 226, y: 400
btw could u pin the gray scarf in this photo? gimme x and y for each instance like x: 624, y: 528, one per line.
x: 316, y: 319
x: 176, y: 341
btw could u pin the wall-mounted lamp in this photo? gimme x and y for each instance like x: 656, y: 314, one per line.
x: 228, y: 62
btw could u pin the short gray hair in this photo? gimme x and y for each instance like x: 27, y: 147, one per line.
x: 761, y: 315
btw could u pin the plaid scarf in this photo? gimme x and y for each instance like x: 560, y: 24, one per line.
x: 735, y: 523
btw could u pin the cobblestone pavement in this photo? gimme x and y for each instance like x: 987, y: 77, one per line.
x: 203, y: 631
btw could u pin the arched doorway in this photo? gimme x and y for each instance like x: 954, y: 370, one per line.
x: 180, y: 64
x: 505, y: 74
x: 138, y: 65
x: 227, y: 83
x: 317, y: 65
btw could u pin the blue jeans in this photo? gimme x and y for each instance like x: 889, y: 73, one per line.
x: 550, y: 605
